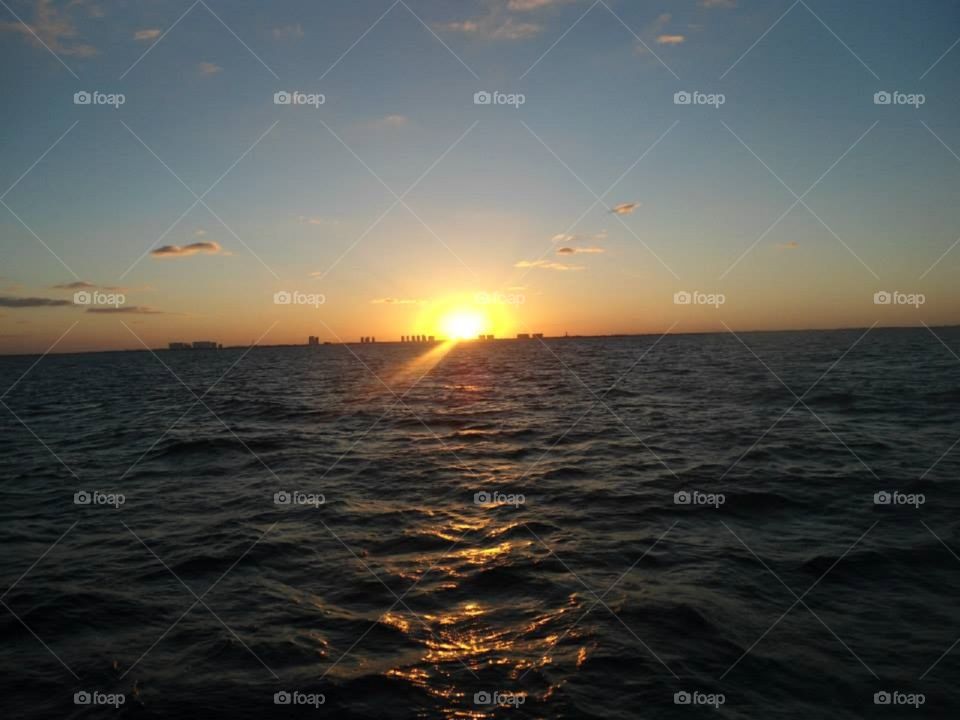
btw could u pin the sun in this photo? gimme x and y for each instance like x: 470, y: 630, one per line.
x: 463, y: 324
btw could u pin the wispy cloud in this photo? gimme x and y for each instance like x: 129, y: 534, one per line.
x: 390, y: 121
x: 671, y: 39
x: 580, y: 250
x: 500, y: 24
x: 147, y: 35
x: 31, y: 302
x: 76, y: 285
x: 568, y: 239
x: 208, y: 68
x: 317, y: 220
x: 84, y: 285
x: 396, y: 301
x: 528, y: 5
x: 125, y: 310
x: 205, y: 248
x: 792, y: 245
x: 492, y: 28
x: 658, y: 25
x: 547, y: 265
x: 718, y: 3
x: 53, y: 27
x: 626, y: 208
x: 288, y: 32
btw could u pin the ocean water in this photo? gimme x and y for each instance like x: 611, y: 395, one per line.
x: 500, y: 532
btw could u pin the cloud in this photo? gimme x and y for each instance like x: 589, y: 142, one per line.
x: 31, y: 302
x: 670, y: 39
x: 568, y: 239
x: 149, y: 34
x: 657, y: 26
x: 391, y: 121
x: 125, y: 310
x: 208, y: 68
x: 528, y: 5
x: 317, y: 220
x: 718, y: 3
x: 288, y: 32
x: 206, y: 248
x: 547, y: 265
x: 77, y: 285
x: 580, y: 250
x: 199, y: 233
x: 396, y: 301
x: 54, y: 28
x: 625, y: 208
x: 792, y: 245
x: 494, y: 26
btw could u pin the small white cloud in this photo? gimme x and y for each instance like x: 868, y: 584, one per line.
x: 547, y: 265
x: 493, y: 28
x: 145, y: 35
x: 317, y: 220
x: 529, y: 5
x: 580, y: 250
x: 394, y: 121
x: 624, y: 208
x: 568, y: 239
x: 718, y: 3
x: 670, y: 39
x: 208, y: 69
x: 288, y: 32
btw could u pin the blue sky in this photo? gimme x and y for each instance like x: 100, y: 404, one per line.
x: 599, y: 81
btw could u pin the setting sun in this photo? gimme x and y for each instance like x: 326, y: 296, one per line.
x: 463, y: 324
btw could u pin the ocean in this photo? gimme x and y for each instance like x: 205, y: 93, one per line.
x: 742, y: 526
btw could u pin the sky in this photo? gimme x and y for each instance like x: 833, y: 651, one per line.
x: 586, y: 198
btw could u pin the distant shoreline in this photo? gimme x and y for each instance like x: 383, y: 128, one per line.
x: 481, y: 342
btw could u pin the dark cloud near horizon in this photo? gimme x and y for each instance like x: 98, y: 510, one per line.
x: 125, y: 310
x: 76, y: 285
x: 207, y: 248
x: 31, y: 302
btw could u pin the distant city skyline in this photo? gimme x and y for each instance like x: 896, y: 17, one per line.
x: 235, y: 172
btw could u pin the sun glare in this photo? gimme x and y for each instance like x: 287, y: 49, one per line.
x: 463, y: 324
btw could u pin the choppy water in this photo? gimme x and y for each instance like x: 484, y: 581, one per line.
x: 597, y: 597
